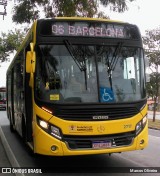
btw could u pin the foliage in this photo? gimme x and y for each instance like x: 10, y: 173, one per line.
x: 116, y: 5
x: 154, y: 85
x: 25, y: 12
x: 9, y: 43
x: 28, y: 10
x: 152, y: 50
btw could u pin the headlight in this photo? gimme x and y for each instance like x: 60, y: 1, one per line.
x: 43, y: 124
x: 144, y: 120
x: 140, y: 125
x: 49, y: 128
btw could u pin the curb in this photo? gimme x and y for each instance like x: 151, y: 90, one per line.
x: 151, y: 112
x: 12, y: 159
x: 153, y: 128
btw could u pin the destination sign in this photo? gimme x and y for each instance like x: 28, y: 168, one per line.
x: 89, y: 29
x: 85, y: 30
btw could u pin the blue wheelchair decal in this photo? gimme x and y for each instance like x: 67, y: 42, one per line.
x: 106, y: 94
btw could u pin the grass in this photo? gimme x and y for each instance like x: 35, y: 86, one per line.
x: 155, y: 124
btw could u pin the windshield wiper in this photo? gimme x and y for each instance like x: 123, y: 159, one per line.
x: 71, y: 50
x: 115, y: 57
x: 81, y: 66
x: 113, y: 63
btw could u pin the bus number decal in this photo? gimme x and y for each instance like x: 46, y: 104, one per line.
x: 127, y: 126
x: 58, y: 29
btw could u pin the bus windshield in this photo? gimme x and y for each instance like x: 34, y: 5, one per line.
x: 67, y: 73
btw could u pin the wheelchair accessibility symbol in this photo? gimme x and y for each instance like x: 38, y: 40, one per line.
x: 106, y: 94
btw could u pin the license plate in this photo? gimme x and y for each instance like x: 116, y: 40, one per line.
x: 101, y: 144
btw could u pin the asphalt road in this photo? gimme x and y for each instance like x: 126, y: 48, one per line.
x: 85, y: 165
x: 4, y: 161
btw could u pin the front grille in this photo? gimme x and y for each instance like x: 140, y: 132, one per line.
x: 86, y: 113
x: 85, y: 142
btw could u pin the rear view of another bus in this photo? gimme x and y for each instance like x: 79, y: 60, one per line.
x: 2, y: 98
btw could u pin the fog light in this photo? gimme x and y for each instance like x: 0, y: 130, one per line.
x: 54, y: 148
x: 142, y: 141
x: 55, y: 132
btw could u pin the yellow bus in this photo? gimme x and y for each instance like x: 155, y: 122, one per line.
x: 77, y: 86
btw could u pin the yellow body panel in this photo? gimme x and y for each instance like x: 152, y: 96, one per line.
x: 43, y: 141
x: 88, y: 19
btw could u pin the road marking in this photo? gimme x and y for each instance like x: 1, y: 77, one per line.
x: 10, y: 154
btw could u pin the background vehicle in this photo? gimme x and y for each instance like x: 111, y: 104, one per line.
x: 2, y: 98
x: 77, y: 86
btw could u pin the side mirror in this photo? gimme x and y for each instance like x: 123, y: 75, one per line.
x: 32, y: 47
x: 30, y: 62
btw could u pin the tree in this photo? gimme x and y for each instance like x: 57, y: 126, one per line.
x: 28, y: 10
x: 9, y: 43
x: 152, y: 50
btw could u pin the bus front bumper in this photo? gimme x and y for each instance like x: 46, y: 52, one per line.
x: 48, y: 145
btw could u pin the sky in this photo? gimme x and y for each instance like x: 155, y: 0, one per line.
x: 144, y: 13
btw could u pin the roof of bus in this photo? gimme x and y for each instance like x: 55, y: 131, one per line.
x: 84, y: 18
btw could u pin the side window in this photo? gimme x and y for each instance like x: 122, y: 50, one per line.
x: 19, y: 72
x: 18, y: 82
x: 129, y: 68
